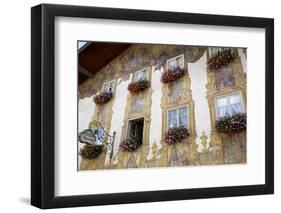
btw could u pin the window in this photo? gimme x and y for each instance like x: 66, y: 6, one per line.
x: 215, y: 50
x: 108, y: 86
x: 177, y: 117
x: 141, y: 75
x: 135, y: 128
x: 229, y: 105
x: 175, y: 62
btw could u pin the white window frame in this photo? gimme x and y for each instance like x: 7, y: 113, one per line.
x: 229, y: 94
x: 171, y: 59
x: 108, y: 82
x: 178, y: 112
x: 146, y: 74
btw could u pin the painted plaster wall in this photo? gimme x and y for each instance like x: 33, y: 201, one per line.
x: 120, y: 106
x: 243, y: 59
x: 118, y: 109
x: 86, y: 108
x: 137, y: 57
x: 198, y: 75
x: 156, y: 111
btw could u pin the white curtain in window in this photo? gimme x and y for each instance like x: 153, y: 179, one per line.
x: 222, y: 101
x: 235, y: 103
x: 229, y: 105
x: 183, y: 116
x: 172, y: 118
x: 140, y: 75
x: 172, y: 64
x: 222, y: 109
x: 222, y: 112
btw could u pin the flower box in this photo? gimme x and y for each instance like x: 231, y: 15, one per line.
x: 103, y: 97
x: 91, y: 151
x: 131, y: 144
x: 232, y: 124
x: 172, y: 75
x: 176, y: 135
x: 138, y: 86
x: 221, y: 59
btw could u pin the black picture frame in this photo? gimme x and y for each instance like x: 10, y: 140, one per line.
x: 43, y: 105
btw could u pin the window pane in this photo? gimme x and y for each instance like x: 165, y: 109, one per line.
x: 222, y: 111
x: 140, y: 75
x: 180, y: 62
x: 172, y: 118
x: 214, y: 51
x: 236, y: 108
x: 106, y: 87
x: 234, y: 99
x: 229, y: 105
x: 222, y: 101
x: 172, y: 64
x: 172, y: 122
x: 183, y: 116
x: 143, y: 74
x: 235, y: 104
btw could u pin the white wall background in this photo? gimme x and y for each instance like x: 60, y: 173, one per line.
x: 15, y: 105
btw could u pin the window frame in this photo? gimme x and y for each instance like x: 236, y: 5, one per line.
x: 229, y: 94
x: 146, y: 74
x: 131, y: 119
x: 170, y: 59
x: 108, y: 82
x: 219, y: 49
x: 177, y: 108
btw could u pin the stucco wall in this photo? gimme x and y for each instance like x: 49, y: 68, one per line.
x: 86, y: 108
x: 118, y: 110
x: 243, y: 59
x: 137, y: 57
x: 198, y: 75
x: 156, y: 112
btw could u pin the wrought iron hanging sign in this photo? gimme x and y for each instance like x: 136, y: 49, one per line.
x: 98, y: 137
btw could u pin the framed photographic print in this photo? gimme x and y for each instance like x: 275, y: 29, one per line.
x: 139, y: 106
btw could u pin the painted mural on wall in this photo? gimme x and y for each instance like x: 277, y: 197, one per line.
x: 165, y: 106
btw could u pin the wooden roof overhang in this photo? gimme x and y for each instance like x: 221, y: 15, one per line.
x: 94, y: 56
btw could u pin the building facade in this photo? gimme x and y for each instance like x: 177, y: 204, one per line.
x: 194, y: 101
